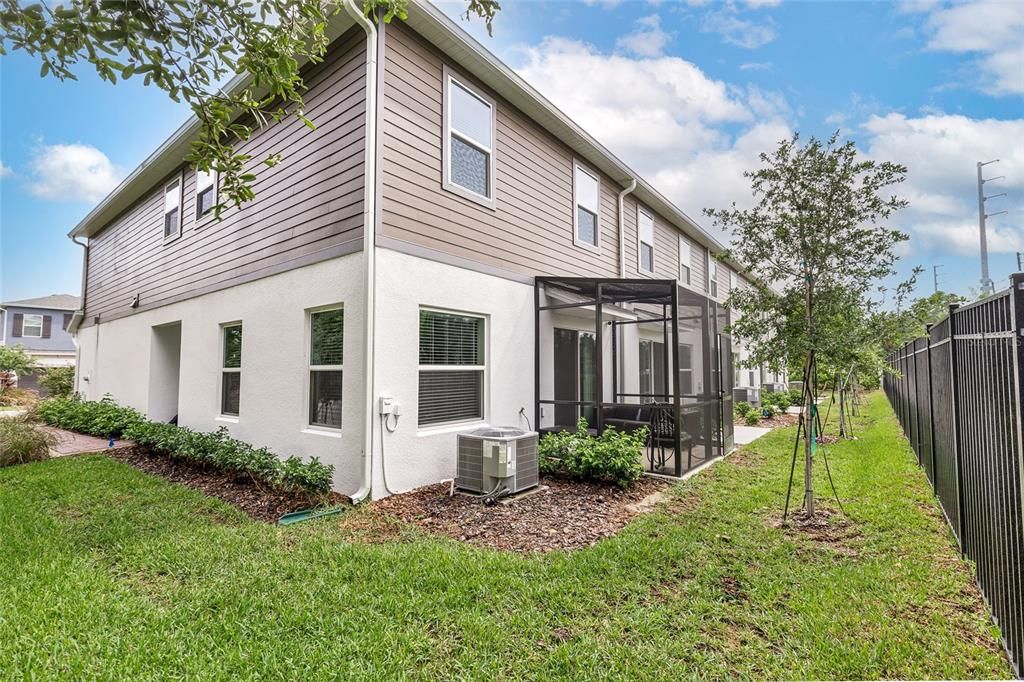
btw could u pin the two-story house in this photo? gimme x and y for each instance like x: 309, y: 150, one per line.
x: 40, y: 326
x: 395, y: 253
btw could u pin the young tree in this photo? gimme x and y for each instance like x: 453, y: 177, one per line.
x: 814, y: 235
x: 189, y: 49
x: 14, y: 360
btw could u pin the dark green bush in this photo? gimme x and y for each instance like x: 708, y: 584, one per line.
x: 58, y: 381
x: 743, y: 408
x: 768, y: 411
x: 614, y: 456
x: 796, y: 397
x: 219, y: 450
x: 752, y: 418
x: 779, y: 401
x: 101, y: 418
x: 22, y: 441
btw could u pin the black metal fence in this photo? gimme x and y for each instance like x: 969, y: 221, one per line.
x: 957, y: 394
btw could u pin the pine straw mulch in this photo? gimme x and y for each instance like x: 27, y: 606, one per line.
x: 256, y: 499
x: 564, y: 515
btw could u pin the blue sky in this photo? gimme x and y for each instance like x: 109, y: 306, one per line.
x: 685, y: 92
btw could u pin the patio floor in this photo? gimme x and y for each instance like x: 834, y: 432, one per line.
x: 69, y: 443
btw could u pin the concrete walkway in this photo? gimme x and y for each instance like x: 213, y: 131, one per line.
x: 71, y: 443
x: 743, y: 434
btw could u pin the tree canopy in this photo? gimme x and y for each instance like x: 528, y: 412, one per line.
x: 190, y: 49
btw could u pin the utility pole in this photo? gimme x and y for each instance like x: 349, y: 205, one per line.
x: 935, y: 276
x: 1019, y: 268
x: 986, y: 281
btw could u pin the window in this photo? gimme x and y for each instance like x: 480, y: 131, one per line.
x: 586, y: 190
x: 451, y: 368
x: 685, y: 369
x: 712, y: 276
x: 172, y: 209
x: 326, y: 353
x: 469, y: 142
x: 231, y: 370
x: 684, y: 260
x: 206, y: 193
x: 32, y: 326
x: 732, y: 280
x: 645, y: 240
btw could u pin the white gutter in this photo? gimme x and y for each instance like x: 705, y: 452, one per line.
x: 622, y: 227
x: 370, y: 213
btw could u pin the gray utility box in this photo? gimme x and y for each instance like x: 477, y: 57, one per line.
x: 490, y: 458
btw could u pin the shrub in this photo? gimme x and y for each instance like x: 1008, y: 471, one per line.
x: 614, y: 456
x: 779, y: 401
x: 101, y: 418
x: 59, y: 382
x: 796, y: 397
x: 18, y: 397
x: 22, y: 441
x: 752, y: 419
x: 743, y: 408
x: 221, y: 451
x: 768, y: 411
x: 106, y: 418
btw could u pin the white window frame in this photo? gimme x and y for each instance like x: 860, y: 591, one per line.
x: 484, y: 368
x: 596, y: 246
x: 180, y: 180
x: 226, y: 416
x: 640, y: 241
x: 209, y: 215
x: 310, y: 368
x: 712, y: 276
x: 446, y: 182
x: 685, y: 261
x: 25, y: 326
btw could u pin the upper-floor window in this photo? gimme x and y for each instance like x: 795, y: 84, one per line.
x: 645, y: 240
x: 206, y: 193
x: 684, y: 260
x: 32, y: 326
x: 451, y: 368
x: 732, y: 280
x: 469, y: 142
x: 712, y: 276
x: 586, y: 189
x: 172, y: 209
x: 326, y: 355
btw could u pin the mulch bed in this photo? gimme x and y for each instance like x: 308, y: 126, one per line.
x: 256, y: 499
x: 782, y: 419
x: 566, y: 515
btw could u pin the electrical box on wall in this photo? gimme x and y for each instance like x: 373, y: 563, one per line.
x: 387, y: 405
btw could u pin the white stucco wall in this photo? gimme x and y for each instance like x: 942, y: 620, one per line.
x: 415, y: 456
x: 274, y: 402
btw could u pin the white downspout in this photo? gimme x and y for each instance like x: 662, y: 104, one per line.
x: 79, y: 315
x: 622, y: 227
x: 369, y: 210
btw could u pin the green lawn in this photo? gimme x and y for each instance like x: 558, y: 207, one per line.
x: 106, y: 572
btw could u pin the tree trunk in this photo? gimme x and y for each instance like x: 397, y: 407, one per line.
x: 809, y: 425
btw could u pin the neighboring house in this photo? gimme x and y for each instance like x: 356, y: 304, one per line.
x: 41, y: 326
x: 394, y: 252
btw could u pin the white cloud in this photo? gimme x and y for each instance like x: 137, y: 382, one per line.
x: 736, y: 31
x: 647, y: 39
x: 690, y: 135
x: 757, y: 4
x: 755, y: 66
x: 5, y: 171
x: 940, y: 151
x: 990, y: 29
x: 71, y: 172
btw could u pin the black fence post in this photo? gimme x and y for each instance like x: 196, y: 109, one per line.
x: 1013, y: 626
x: 931, y: 408
x: 954, y: 390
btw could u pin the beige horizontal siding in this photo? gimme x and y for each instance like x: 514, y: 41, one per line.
x: 531, y: 229
x: 308, y: 206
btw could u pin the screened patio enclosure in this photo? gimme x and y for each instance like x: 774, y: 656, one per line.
x: 634, y: 353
